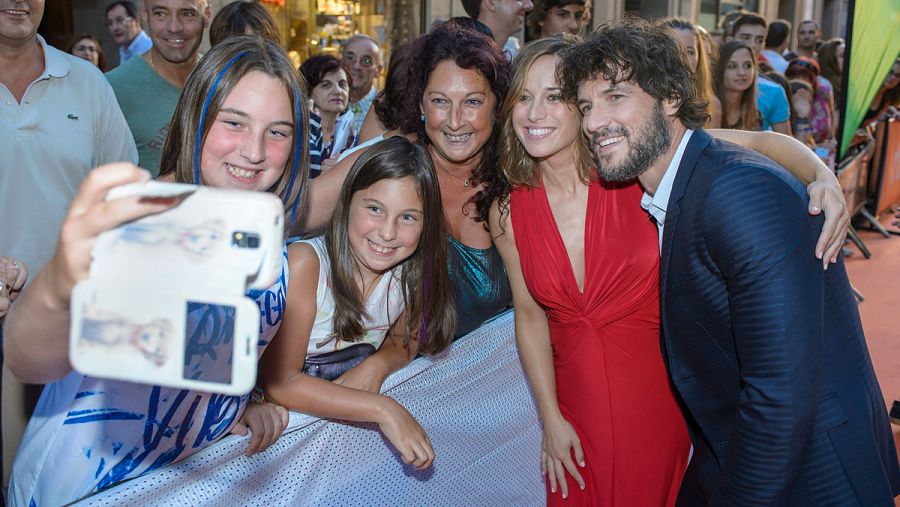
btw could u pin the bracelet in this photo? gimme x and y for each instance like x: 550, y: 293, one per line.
x: 257, y: 395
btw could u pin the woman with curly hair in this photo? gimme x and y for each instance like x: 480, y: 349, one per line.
x: 453, y: 98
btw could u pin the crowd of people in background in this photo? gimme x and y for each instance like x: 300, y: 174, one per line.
x: 436, y: 196
x: 750, y: 76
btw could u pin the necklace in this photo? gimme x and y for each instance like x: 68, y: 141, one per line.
x: 465, y: 181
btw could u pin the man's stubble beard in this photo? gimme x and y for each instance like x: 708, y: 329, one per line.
x: 652, y: 138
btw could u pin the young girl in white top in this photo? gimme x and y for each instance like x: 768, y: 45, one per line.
x: 377, y: 278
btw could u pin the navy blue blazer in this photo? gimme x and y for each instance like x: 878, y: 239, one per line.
x: 764, y: 348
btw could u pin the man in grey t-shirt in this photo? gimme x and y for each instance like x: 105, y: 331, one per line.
x: 147, y: 87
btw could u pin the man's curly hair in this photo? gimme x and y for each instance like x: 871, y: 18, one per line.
x: 637, y: 51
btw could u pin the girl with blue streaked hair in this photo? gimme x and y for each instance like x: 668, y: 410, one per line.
x: 240, y: 124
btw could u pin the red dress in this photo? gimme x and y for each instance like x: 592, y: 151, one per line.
x: 611, y: 382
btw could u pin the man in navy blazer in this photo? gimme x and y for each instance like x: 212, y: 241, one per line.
x: 764, y: 348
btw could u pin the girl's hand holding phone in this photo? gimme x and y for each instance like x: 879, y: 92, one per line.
x: 37, y: 343
x: 406, y: 434
x: 89, y: 216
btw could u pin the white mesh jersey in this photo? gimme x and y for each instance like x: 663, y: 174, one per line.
x: 383, y: 306
x: 88, y: 433
x: 473, y: 400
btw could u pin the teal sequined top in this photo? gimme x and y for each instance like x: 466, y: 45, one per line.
x: 480, y: 284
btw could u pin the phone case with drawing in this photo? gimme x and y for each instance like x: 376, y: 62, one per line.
x: 165, y: 303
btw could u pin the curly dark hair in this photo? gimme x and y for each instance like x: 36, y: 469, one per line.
x: 635, y: 50
x: 540, y: 12
x: 469, y: 49
x: 393, y: 103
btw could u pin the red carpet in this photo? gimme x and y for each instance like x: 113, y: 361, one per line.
x: 878, y: 279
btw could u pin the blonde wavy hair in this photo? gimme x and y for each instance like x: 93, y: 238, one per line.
x: 520, y: 168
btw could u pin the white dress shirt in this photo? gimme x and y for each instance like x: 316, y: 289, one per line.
x: 657, y: 203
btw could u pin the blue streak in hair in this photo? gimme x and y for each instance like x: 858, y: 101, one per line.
x: 298, y: 113
x: 206, y: 103
x: 295, y: 166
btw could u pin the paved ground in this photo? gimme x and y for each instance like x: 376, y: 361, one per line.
x: 878, y: 279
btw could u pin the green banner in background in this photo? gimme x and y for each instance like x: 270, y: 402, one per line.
x: 874, y: 42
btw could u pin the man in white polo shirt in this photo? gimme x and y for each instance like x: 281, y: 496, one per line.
x: 58, y: 120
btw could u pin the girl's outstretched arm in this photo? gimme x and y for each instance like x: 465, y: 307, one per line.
x: 284, y: 382
x: 36, y: 336
x: 825, y: 194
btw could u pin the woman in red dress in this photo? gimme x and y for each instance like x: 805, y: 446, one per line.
x: 583, y: 262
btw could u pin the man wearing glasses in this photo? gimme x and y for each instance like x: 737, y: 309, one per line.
x: 361, y: 58
x: 123, y: 23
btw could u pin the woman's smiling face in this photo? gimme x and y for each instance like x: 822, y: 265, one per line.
x: 459, y: 107
x: 544, y: 123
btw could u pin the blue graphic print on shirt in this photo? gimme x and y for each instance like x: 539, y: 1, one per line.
x: 88, y: 434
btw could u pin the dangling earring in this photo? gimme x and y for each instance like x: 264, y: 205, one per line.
x: 422, y: 117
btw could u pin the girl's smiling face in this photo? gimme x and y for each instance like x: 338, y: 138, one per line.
x: 386, y: 221
x: 250, y: 140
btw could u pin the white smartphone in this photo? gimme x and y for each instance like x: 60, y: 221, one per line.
x: 165, y: 302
